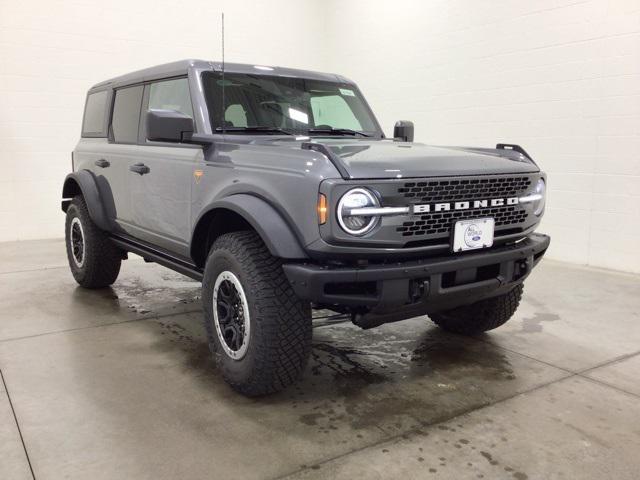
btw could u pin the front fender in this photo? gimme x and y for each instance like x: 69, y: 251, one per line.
x: 85, y: 182
x: 277, y: 235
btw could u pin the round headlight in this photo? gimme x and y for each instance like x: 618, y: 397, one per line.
x: 352, y: 200
x: 541, y: 190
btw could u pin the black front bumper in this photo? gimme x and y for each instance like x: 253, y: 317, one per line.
x: 405, y: 289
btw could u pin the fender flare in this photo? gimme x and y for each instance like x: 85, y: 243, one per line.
x: 89, y: 189
x: 277, y: 235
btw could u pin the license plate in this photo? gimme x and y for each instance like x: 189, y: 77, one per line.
x: 473, y: 234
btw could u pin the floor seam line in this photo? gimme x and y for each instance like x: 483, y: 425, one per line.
x: 33, y: 270
x: 581, y: 372
x: 428, y: 425
x: 15, y: 418
x: 606, y: 384
x: 544, y: 362
x: 613, y: 361
x: 156, y: 317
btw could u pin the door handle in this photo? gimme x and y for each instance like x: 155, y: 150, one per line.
x: 140, y: 168
x: 102, y: 163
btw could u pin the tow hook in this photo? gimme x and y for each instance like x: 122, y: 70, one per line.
x: 417, y: 290
x: 523, y: 267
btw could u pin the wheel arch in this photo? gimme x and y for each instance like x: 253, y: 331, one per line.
x: 83, y: 183
x: 244, y: 212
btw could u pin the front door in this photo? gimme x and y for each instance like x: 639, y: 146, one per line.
x: 161, y: 178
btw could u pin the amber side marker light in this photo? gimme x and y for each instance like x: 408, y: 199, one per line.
x: 322, y: 209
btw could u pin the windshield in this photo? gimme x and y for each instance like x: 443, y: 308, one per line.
x: 264, y: 104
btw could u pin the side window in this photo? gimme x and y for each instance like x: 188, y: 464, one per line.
x: 126, y: 114
x: 332, y: 110
x: 94, y: 123
x: 171, y: 95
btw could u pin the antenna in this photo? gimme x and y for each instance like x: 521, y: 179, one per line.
x: 223, y: 98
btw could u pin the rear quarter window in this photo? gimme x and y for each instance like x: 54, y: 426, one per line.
x: 94, y: 122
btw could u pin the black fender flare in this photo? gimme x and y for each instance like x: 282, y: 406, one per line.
x: 277, y: 235
x: 85, y: 180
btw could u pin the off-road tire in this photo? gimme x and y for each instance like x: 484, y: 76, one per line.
x: 280, y: 323
x: 102, y: 259
x: 480, y: 316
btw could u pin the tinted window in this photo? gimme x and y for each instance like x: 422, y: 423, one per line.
x: 95, y: 115
x: 236, y: 116
x: 332, y: 110
x: 126, y: 114
x: 297, y: 105
x: 171, y: 95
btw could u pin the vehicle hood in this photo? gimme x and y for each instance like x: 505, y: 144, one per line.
x: 368, y: 158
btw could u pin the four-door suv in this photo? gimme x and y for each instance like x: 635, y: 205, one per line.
x: 279, y: 191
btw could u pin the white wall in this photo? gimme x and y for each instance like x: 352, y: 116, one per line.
x: 560, y: 77
x: 51, y: 52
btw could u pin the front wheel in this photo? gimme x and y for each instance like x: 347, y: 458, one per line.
x: 480, y: 316
x: 258, y: 330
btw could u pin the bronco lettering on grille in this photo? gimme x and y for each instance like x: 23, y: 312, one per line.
x: 447, y: 206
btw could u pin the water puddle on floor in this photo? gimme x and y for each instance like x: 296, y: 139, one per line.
x: 147, y: 292
x: 396, y: 377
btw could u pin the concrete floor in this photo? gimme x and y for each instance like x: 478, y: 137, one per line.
x: 117, y: 383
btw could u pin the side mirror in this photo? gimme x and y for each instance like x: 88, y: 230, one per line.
x: 168, y: 126
x: 403, y: 131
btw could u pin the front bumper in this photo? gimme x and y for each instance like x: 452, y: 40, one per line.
x: 393, y: 291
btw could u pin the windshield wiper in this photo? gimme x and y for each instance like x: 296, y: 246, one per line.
x: 339, y: 131
x: 261, y: 129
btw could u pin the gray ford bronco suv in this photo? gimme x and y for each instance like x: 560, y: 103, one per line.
x: 278, y: 190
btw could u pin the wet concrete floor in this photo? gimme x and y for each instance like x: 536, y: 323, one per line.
x: 118, y: 383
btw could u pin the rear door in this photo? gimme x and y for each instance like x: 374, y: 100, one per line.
x: 93, y: 152
x: 122, y: 150
x: 161, y: 197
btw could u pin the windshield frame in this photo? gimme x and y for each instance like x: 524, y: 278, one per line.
x: 211, y: 104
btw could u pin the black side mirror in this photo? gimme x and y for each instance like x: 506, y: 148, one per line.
x: 168, y: 126
x: 403, y: 131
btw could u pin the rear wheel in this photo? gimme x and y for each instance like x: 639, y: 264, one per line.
x: 480, y: 316
x: 259, y: 331
x: 93, y: 259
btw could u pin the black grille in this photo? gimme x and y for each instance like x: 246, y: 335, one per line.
x: 464, y: 189
x: 432, y: 223
x: 439, y: 224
